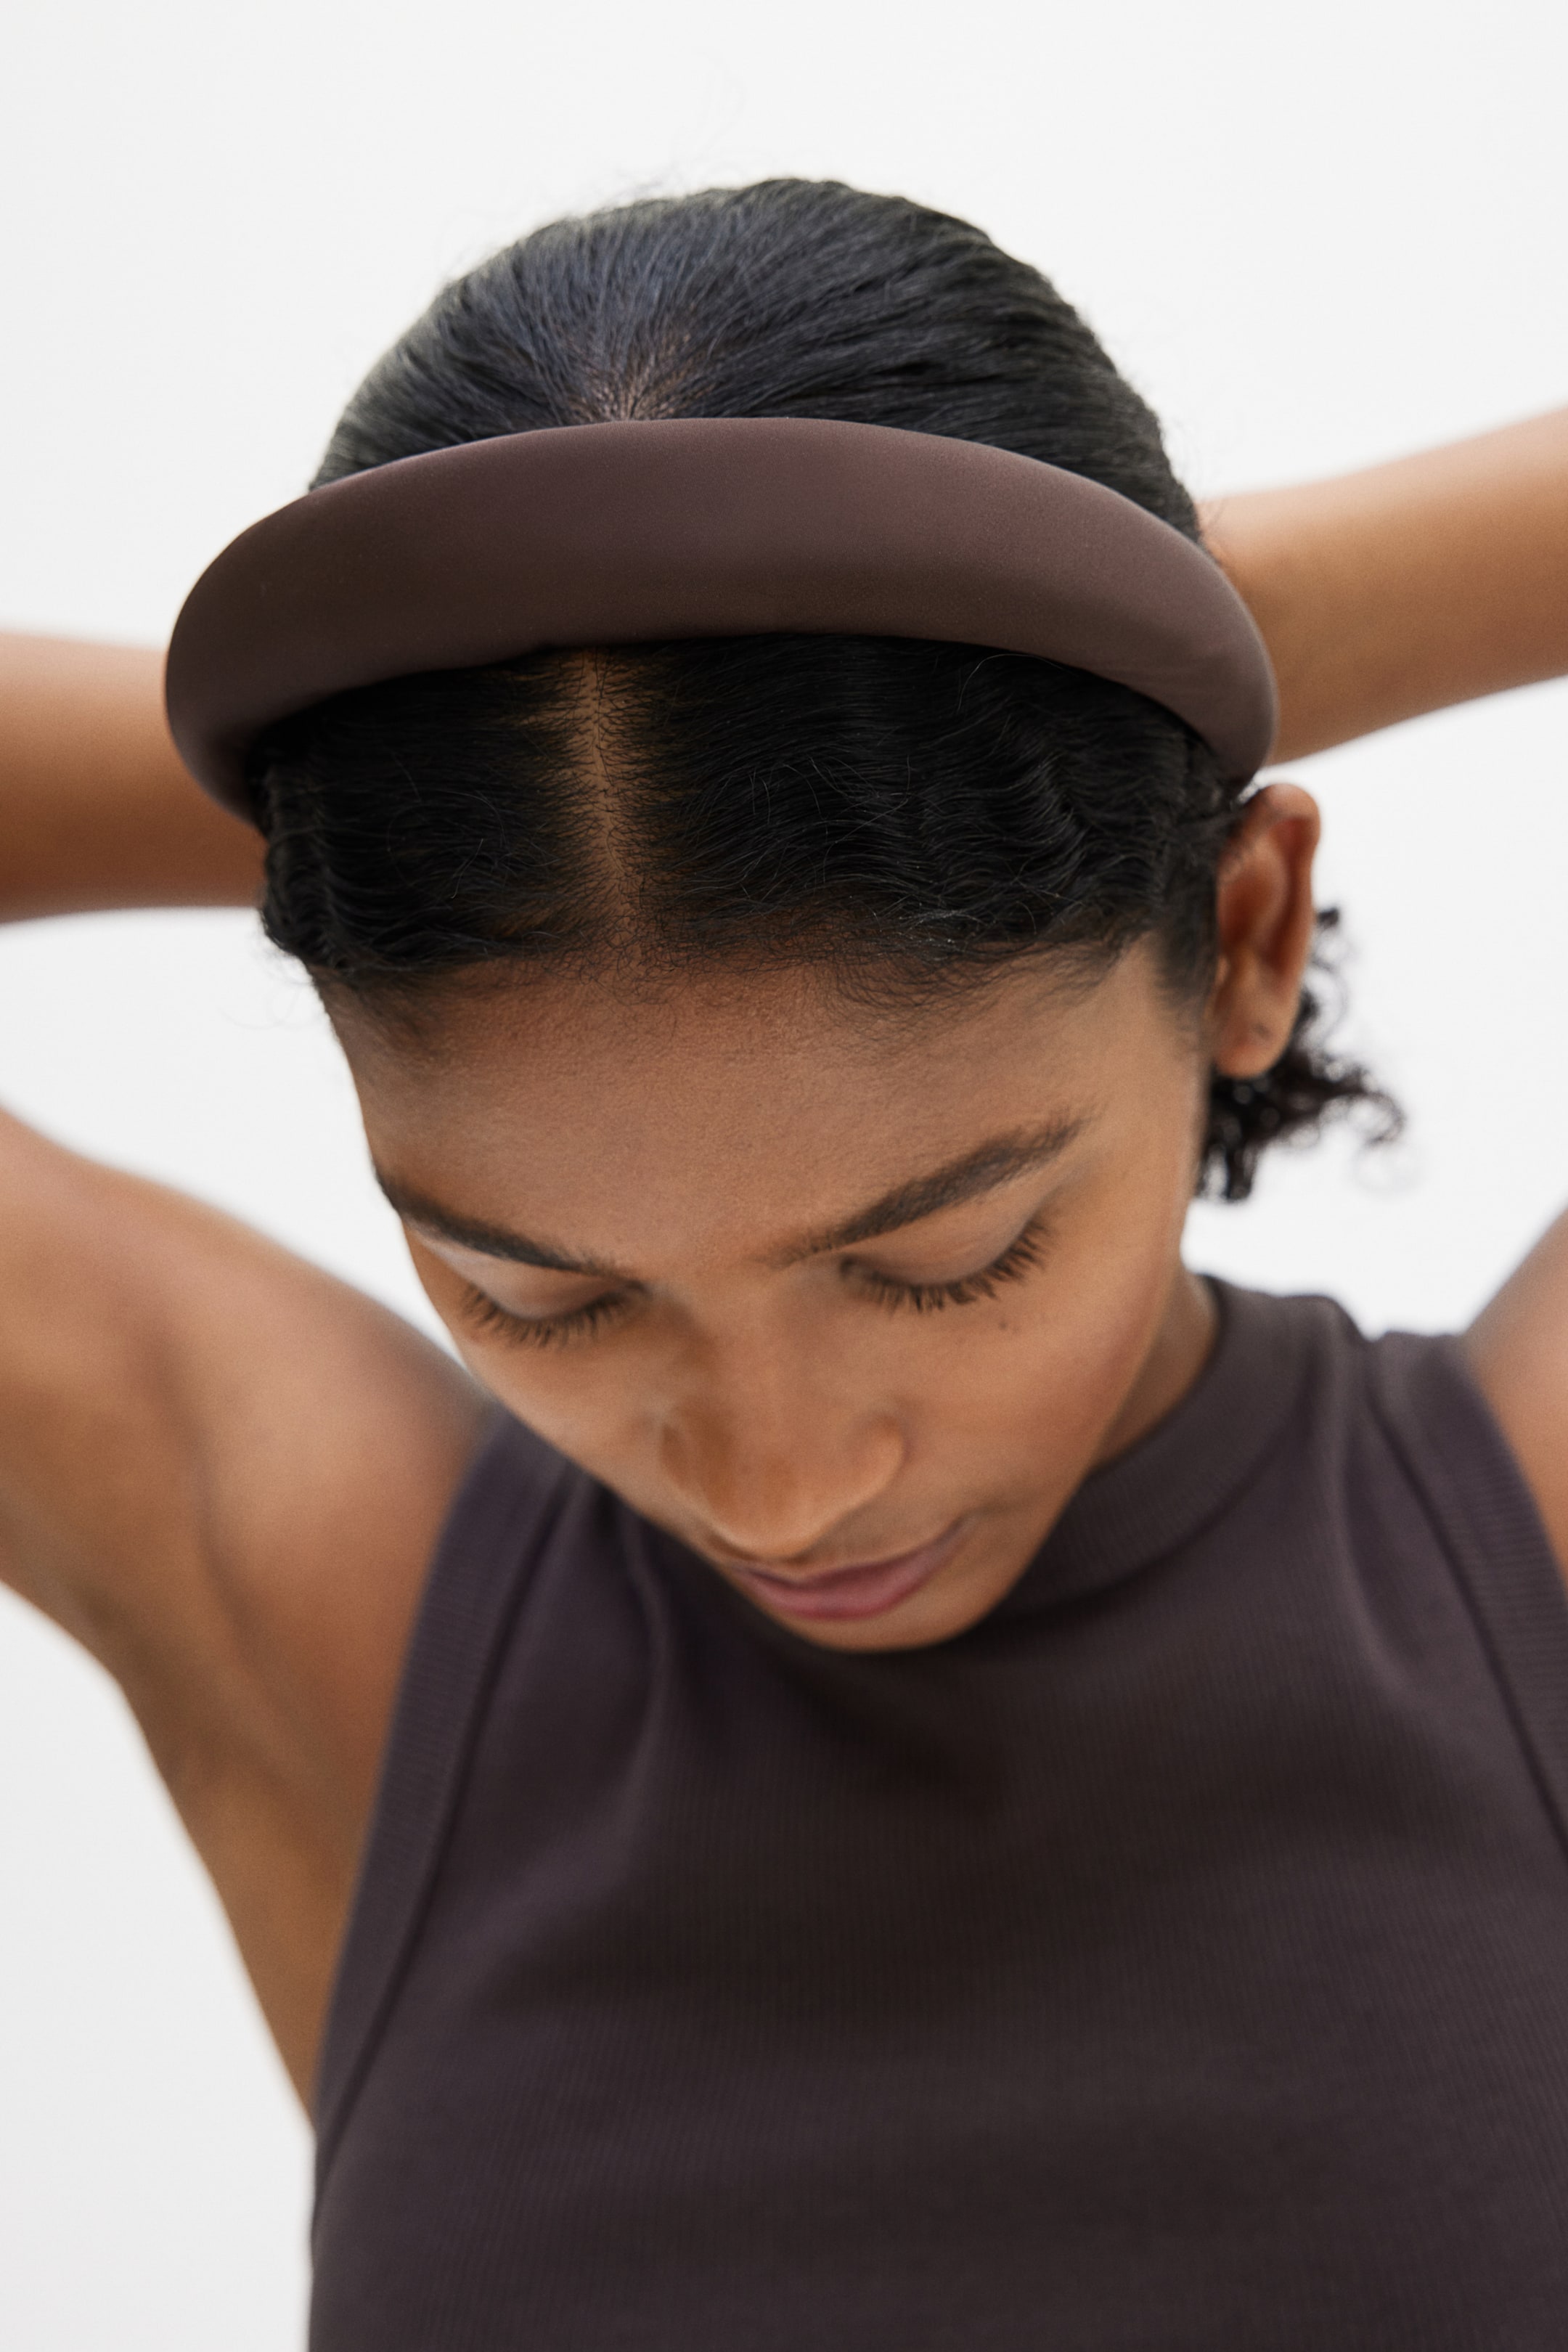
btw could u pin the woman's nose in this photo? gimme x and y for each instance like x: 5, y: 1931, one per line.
x: 770, y: 1474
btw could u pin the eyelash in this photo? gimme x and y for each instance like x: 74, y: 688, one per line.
x: 541, y: 1331
x: 1019, y: 1258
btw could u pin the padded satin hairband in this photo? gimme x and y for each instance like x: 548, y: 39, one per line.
x: 621, y: 533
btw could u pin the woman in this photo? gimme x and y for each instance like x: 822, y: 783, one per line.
x: 950, y: 1782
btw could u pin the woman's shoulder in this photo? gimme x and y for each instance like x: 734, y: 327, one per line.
x: 1415, y: 1466
x: 1302, y: 1418
x: 1304, y: 1363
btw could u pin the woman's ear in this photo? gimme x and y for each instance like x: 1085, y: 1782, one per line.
x: 1265, y: 919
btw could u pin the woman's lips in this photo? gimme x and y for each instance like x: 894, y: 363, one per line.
x: 866, y: 1589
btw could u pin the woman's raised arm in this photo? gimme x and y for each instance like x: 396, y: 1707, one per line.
x: 220, y: 1469
x: 1408, y: 586
x: 1400, y: 590
x: 95, y: 808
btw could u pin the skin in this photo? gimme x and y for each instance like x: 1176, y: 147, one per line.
x: 97, y: 810
x: 223, y: 1472
x: 1407, y: 586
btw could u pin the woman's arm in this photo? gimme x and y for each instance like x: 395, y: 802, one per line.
x: 223, y: 1472
x: 1408, y: 586
x: 220, y: 1470
x: 95, y: 808
x: 1396, y: 591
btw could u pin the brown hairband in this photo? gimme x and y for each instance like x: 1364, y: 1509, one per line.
x: 619, y: 533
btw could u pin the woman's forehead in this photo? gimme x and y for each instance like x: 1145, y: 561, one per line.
x: 562, y: 1107
x: 518, y: 1038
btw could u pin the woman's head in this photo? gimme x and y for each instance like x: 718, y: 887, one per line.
x: 915, y: 812
x: 982, y: 888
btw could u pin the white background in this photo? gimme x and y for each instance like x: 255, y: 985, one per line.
x: 1314, y: 236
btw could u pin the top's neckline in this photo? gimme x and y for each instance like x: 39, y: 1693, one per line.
x: 1181, y: 1472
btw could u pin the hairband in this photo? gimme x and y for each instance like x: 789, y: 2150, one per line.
x: 620, y: 533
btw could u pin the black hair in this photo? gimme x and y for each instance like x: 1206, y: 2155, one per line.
x: 913, y: 812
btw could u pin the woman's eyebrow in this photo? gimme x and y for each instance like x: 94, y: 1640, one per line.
x: 428, y: 1216
x: 984, y: 1170
x: 988, y: 1166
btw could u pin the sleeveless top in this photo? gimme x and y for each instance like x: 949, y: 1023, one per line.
x: 1175, y: 1961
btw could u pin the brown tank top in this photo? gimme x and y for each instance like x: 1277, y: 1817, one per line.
x: 1175, y: 1961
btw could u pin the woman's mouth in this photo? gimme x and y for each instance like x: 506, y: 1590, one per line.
x: 864, y: 1588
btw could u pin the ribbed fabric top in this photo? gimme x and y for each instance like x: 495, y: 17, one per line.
x: 1175, y: 1961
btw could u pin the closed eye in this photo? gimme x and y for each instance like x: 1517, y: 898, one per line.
x: 482, y: 1313
x: 1019, y: 1258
